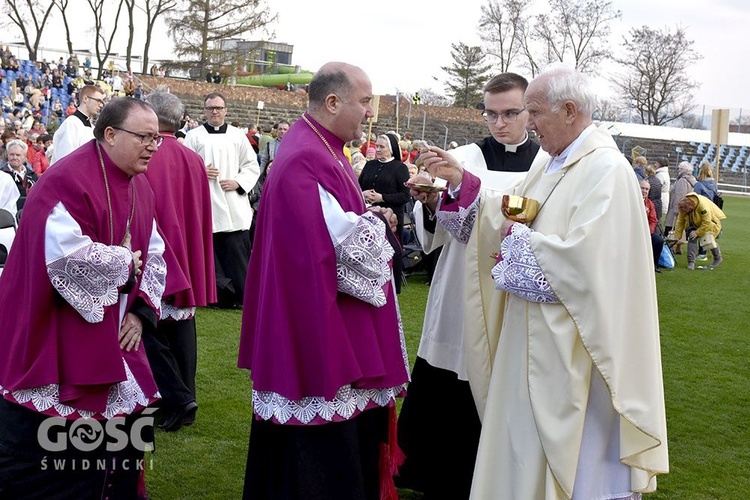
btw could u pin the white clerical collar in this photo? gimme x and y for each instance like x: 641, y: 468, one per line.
x: 556, y: 162
x: 212, y: 129
x: 512, y: 148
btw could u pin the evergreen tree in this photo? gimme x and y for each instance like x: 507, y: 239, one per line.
x: 467, y: 75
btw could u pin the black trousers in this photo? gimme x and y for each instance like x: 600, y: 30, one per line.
x: 231, y: 255
x: 438, y: 430
x: 172, y: 352
x: 336, y: 461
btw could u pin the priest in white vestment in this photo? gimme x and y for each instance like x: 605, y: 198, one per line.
x: 564, y: 360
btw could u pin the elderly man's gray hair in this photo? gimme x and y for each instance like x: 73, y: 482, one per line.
x: 17, y: 143
x: 566, y: 84
x: 168, y: 108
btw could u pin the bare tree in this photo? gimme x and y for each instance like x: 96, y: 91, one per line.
x: 526, y: 46
x: 692, y: 120
x: 129, y: 9
x: 430, y: 97
x: 154, y: 9
x: 30, y: 16
x: 655, y: 79
x: 610, y: 111
x: 200, y: 26
x: 103, y: 45
x: 500, y: 28
x: 62, y: 6
x: 576, y: 31
x: 466, y: 76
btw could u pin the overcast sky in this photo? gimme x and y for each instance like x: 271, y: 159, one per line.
x: 402, y: 44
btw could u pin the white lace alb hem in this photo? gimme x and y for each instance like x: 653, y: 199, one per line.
x: 459, y: 223
x: 347, y: 403
x: 169, y: 311
x: 89, y: 277
x: 362, y: 259
x: 519, y: 272
x: 123, y: 399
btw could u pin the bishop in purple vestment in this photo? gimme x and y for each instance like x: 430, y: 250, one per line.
x: 183, y: 210
x: 85, y: 277
x: 321, y: 332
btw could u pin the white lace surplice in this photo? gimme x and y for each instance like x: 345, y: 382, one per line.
x: 519, y: 272
x: 362, y: 269
x: 169, y: 311
x: 87, y: 275
x: 461, y: 222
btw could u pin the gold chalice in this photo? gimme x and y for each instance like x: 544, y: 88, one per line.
x: 520, y: 208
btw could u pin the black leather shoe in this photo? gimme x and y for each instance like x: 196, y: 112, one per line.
x: 184, y: 415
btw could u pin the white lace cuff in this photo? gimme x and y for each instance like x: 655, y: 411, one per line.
x: 154, y: 278
x: 461, y: 222
x: 123, y: 399
x: 169, y: 311
x: 519, y: 272
x: 362, y: 261
x: 89, y: 277
x: 347, y: 403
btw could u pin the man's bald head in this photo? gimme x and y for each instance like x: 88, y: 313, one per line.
x: 341, y: 99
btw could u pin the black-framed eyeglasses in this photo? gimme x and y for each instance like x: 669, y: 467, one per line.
x: 145, y: 139
x: 510, y: 116
x: 100, y: 101
x: 214, y: 108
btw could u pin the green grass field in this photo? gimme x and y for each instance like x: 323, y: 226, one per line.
x: 704, y: 331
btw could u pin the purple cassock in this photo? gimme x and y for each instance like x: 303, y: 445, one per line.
x: 317, y: 352
x: 60, y: 351
x: 183, y: 212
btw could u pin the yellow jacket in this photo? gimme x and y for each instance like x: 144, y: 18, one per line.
x: 706, y: 217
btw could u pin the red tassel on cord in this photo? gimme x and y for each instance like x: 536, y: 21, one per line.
x: 391, y: 458
x: 142, y: 494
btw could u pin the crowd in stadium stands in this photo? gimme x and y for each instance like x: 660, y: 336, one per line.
x: 37, y: 95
